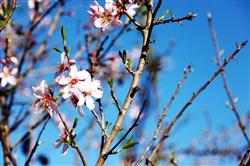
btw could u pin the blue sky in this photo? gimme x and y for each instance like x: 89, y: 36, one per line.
x: 193, y: 46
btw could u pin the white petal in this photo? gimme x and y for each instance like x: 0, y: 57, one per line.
x: 90, y: 103
x: 54, y: 107
x: 58, y: 143
x: 64, y: 150
x: 81, y: 100
x: 73, y: 71
x: 97, y: 93
x: 38, y: 107
x: 63, y: 80
x: 4, y: 82
x: 1, y: 75
x: 83, y: 75
x: 14, y: 71
x: 37, y: 92
x: 80, y: 111
x: 11, y: 80
x: 50, y: 112
x: 44, y: 87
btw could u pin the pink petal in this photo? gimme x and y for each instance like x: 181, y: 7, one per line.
x: 64, y: 150
x: 58, y: 143
x: 80, y: 111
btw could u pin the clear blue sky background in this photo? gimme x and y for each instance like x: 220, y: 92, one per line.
x: 193, y: 46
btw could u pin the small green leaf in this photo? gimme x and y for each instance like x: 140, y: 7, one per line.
x: 128, y: 144
x: 110, y: 82
x: 129, y: 62
x: 124, y: 56
x: 75, y: 123
x: 63, y: 33
x: 57, y: 50
x: 61, y: 93
x: 107, y: 125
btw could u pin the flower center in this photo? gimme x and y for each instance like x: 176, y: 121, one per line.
x: 6, y: 74
x: 74, y: 81
x: 86, y: 93
x: 47, y: 99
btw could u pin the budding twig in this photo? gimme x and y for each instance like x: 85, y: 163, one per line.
x: 202, y: 88
x: 188, y: 17
x: 111, y: 151
x: 159, y: 125
x: 37, y: 143
x: 225, y: 82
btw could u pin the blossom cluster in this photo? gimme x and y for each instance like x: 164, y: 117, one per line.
x: 76, y: 85
x: 110, y: 14
x: 8, y: 71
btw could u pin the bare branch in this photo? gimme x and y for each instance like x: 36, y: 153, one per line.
x: 37, y: 143
x: 159, y: 125
x: 202, y: 88
x: 225, y: 82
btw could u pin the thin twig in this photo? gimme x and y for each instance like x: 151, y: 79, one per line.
x: 33, y: 127
x: 115, y: 99
x: 245, y: 158
x: 75, y: 146
x: 225, y: 82
x: 189, y: 17
x: 159, y: 125
x: 99, y: 123
x: 19, y: 121
x: 202, y: 88
x: 111, y: 151
x: 37, y: 143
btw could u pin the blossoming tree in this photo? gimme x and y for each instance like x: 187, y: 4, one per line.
x: 113, y: 88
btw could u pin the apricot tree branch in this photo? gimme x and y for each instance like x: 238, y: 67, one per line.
x: 225, y: 82
x: 159, y: 125
x: 193, y: 97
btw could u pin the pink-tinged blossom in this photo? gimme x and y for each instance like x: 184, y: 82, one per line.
x: 131, y: 9
x: 64, y: 66
x: 75, y: 99
x: 71, y: 84
x: 104, y: 17
x: 8, y: 76
x: 45, y: 101
x: 64, y: 138
x: 90, y: 89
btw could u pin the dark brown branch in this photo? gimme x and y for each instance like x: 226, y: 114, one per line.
x: 202, y: 88
x: 33, y: 127
x: 37, y: 143
x: 245, y: 159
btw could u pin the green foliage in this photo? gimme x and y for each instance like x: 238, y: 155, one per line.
x: 57, y: 50
x: 110, y: 82
x: 128, y: 144
x: 75, y: 123
x: 6, y: 10
x: 107, y: 125
x: 63, y: 34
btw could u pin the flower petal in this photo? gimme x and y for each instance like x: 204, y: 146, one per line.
x: 80, y: 111
x: 58, y: 143
x: 90, y: 103
x: 65, y: 149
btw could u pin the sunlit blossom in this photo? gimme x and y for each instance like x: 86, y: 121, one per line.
x: 7, y: 75
x: 45, y: 101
